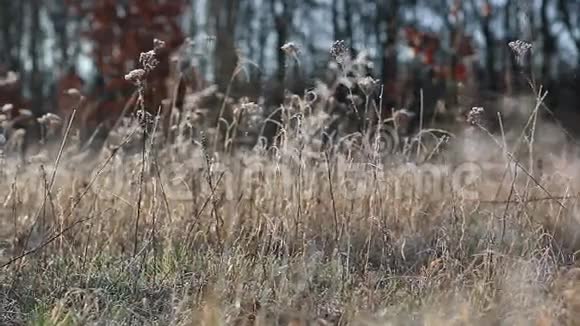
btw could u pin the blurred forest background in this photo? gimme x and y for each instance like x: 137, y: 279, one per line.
x: 48, y: 46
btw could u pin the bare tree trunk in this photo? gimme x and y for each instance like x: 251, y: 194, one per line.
x: 389, y: 55
x: 282, y: 22
x: 336, y: 30
x: 262, y: 42
x: 59, y: 17
x: 489, y: 50
x: 20, y: 31
x: 35, y: 77
x: 224, y: 14
x: 6, y: 55
x: 348, y: 16
x: 549, y: 42
x: 507, y: 62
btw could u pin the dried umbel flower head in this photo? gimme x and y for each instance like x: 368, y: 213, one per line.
x: 475, y: 116
x: 51, y: 123
x: 403, y: 119
x: 135, y: 76
x: 291, y: 49
x: 145, y: 119
x: 25, y: 113
x: 339, y: 51
x: 7, y: 108
x: 11, y: 79
x: 73, y: 92
x: 368, y: 85
x: 50, y: 119
x: 520, y: 48
x: 246, y: 106
x: 158, y: 44
x: 148, y: 60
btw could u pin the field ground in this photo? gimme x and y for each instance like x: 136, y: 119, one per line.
x: 178, y: 237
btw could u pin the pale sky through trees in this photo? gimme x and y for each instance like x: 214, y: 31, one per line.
x: 312, y: 28
x: 318, y: 29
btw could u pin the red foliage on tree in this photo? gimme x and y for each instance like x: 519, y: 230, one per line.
x: 423, y: 44
x: 11, y: 89
x: 426, y: 45
x: 119, y: 33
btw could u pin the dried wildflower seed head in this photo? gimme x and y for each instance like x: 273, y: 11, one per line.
x: 25, y: 113
x: 6, y: 108
x: 367, y: 85
x: 339, y: 51
x: 291, y: 49
x: 520, y: 48
x: 51, y: 119
x: 136, y: 76
x: 10, y: 79
x: 73, y: 92
x: 246, y: 106
x: 145, y: 118
x: 475, y: 116
x: 158, y: 44
x: 402, y: 119
x: 148, y: 60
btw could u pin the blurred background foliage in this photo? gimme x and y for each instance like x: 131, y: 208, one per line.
x: 53, y: 45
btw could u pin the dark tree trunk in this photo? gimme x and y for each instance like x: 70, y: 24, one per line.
x: 35, y: 77
x: 262, y: 43
x: 19, y: 31
x: 489, y: 52
x: 7, y: 47
x: 336, y: 30
x: 224, y: 14
x: 282, y: 36
x: 549, y: 46
x: 348, y: 16
x: 275, y: 98
x: 60, y: 22
x: 389, y: 55
x: 507, y: 63
x: 282, y: 24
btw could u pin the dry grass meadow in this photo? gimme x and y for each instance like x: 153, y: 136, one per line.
x: 478, y: 229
